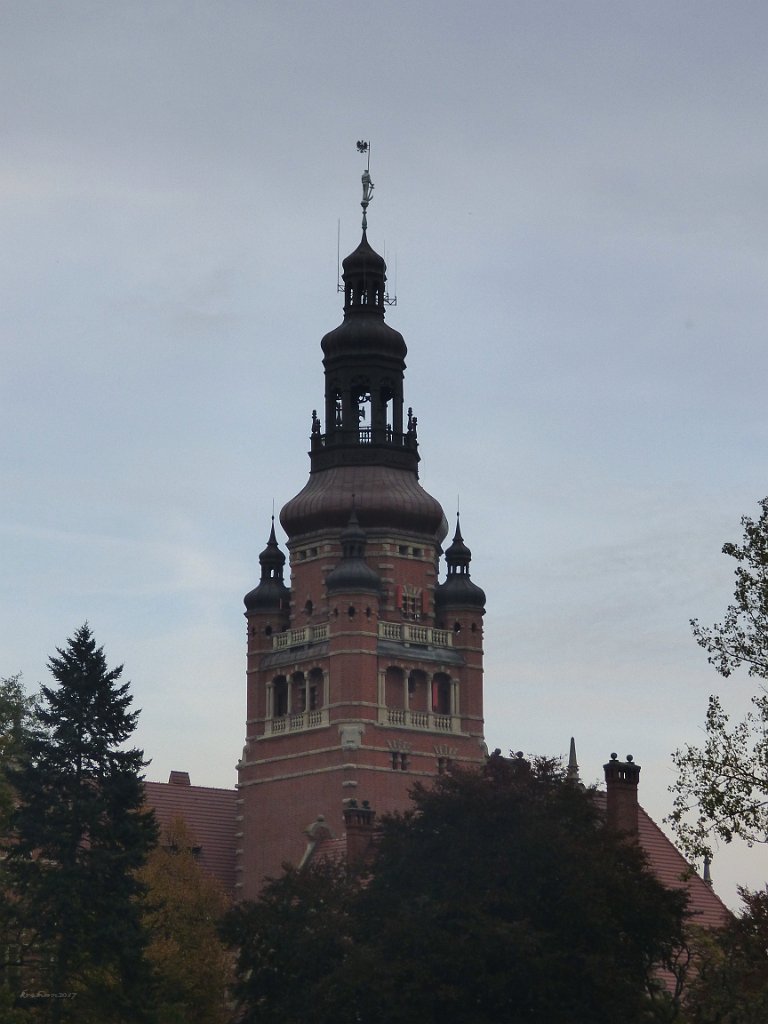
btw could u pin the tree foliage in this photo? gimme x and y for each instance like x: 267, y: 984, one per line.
x: 502, y: 896
x: 742, y: 637
x: 79, y: 834
x: 731, y: 983
x: 183, y: 909
x: 16, y: 708
x: 722, y: 787
x: 292, y: 945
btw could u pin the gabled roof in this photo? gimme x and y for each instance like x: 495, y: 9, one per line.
x: 210, y: 817
x: 674, y: 871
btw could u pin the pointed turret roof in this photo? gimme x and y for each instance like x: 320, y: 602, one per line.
x: 458, y: 589
x: 271, y: 591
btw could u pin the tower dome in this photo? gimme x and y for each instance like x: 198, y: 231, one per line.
x: 386, y: 497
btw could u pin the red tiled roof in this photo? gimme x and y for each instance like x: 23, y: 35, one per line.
x: 210, y: 816
x: 674, y: 871
x: 334, y: 850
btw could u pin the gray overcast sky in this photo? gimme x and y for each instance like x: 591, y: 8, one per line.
x: 573, y: 196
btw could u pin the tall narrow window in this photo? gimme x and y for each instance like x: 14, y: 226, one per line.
x: 441, y: 694
x: 299, y: 692
x: 315, y: 689
x: 395, y: 687
x: 279, y: 697
x: 417, y: 690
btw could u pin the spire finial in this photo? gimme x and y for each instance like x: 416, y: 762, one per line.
x: 457, y: 535
x: 365, y: 149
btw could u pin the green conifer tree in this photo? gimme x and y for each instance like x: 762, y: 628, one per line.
x: 80, y: 832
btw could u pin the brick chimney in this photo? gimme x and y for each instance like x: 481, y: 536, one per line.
x: 621, y: 779
x: 359, y: 825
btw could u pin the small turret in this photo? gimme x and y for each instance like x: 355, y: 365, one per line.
x: 353, y: 572
x: 458, y: 589
x: 271, y: 594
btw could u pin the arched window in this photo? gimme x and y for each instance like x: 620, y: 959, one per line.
x: 417, y: 690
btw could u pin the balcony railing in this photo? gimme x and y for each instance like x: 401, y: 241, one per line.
x: 410, y: 633
x: 299, y: 637
x: 404, y: 718
x: 403, y: 632
x: 365, y: 435
x: 296, y: 722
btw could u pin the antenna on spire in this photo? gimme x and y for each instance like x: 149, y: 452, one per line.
x: 338, y: 255
x: 365, y: 149
x: 390, y: 300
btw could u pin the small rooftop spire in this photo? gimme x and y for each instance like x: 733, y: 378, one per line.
x: 365, y: 148
x: 572, y: 774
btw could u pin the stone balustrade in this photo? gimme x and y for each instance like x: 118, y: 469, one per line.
x: 403, y: 632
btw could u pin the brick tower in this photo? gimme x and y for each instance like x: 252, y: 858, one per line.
x: 366, y: 675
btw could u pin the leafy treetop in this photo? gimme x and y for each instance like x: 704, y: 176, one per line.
x: 722, y: 787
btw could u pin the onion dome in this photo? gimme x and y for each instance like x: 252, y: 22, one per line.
x: 458, y: 589
x: 353, y: 572
x: 357, y: 335
x: 386, y: 498
x: 365, y: 266
x: 271, y: 593
x: 363, y: 328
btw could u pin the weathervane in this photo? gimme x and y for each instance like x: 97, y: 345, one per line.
x: 365, y: 148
